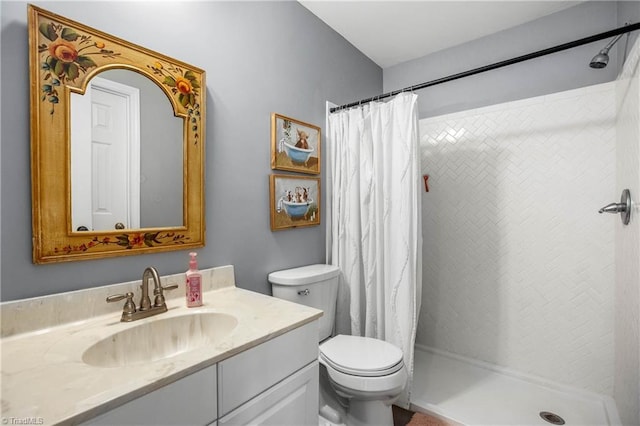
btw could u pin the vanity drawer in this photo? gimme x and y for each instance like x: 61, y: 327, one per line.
x: 251, y: 372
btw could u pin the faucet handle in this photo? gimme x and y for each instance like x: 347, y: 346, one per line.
x: 129, y: 306
x: 170, y: 287
x: 158, y: 292
x: 115, y: 298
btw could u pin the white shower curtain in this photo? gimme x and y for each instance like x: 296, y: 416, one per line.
x: 375, y: 222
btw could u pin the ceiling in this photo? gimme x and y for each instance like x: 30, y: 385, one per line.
x: 391, y: 32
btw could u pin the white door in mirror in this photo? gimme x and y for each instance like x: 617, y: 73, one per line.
x: 105, y: 139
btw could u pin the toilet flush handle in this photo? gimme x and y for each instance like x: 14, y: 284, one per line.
x: 304, y: 292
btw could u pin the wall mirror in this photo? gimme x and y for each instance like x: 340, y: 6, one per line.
x: 117, y: 145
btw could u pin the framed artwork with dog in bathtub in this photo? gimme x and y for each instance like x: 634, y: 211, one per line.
x: 295, y: 145
x: 295, y: 201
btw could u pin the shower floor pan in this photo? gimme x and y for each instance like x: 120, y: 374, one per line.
x: 468, y: 393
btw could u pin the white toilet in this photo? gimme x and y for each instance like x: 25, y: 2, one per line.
x: 366, y: 374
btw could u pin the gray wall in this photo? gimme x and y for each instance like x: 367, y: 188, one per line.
x: 549, y: 74
x: 260, y: 57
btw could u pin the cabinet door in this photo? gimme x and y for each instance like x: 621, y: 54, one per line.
x: 292, y: 402
x: 188, y: 401
x: 255, y: 370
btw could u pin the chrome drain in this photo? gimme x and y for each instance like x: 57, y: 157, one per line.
x: 554, y: 419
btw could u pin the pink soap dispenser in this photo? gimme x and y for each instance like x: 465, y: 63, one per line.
x: 194, y: 283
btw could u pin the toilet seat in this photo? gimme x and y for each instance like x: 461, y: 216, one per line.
x: 361, y: 356
x: 370, y: 368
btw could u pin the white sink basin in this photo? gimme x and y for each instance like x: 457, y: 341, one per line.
x: 160, y: 338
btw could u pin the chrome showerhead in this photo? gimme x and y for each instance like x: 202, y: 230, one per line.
x: 602, y: 59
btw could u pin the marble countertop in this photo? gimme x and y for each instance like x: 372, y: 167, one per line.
x: 45, y: 379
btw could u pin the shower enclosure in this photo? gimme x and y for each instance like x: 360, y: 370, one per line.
x: 529, y: 294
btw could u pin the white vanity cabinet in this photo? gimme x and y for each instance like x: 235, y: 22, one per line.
x: 294, y: 402
x: 274, y: 383
x: 188, y: 401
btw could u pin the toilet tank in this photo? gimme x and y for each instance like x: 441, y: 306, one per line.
x: 312, y: 285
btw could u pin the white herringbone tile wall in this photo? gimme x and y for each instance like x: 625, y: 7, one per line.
x: 518, y: 266
x: 627, y: 318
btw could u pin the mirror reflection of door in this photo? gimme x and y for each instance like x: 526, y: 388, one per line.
x: 114, y: 179
x: 105, y: 156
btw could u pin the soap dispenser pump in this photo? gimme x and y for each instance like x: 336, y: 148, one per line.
x: 193, y: 283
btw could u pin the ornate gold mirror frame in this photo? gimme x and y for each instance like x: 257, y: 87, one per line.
x: 63, y: 57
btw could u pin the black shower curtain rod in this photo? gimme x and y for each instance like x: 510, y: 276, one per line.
x: 543, y: 52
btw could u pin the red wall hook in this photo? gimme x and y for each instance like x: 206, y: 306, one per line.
x: 426, y: 182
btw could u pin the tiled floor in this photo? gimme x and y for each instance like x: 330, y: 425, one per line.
x: 473, y: 395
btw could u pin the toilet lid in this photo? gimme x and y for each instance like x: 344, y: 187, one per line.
x: 361, y: 356
x: 304, y: 275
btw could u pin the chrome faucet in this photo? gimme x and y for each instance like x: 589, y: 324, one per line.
x: 129, y: 311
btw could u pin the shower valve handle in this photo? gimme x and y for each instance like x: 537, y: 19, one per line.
x: 613, y: 208
x: 623, y: 207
